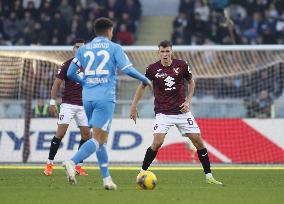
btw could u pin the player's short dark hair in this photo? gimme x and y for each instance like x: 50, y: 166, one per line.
x: 102, y: 25
x: 79, y: 40
x: 165, y: 43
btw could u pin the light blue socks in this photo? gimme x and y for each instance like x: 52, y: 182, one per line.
x: 103, y: 160
x: 85, y: 151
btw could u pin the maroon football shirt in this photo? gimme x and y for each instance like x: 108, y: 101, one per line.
x: 168, y: 85
x: 72, y: 93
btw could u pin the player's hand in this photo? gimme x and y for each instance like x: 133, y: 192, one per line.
x: 53, y: 111
x: 134, y: 114
x: 184, y: 107
x: 150, y: 86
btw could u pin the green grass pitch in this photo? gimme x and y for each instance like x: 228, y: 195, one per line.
x: 242, y: 186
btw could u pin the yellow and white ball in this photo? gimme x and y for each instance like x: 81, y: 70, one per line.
x: 146, y: 180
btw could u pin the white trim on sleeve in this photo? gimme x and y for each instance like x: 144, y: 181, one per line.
x: 126, y: 66
x: 76, y: 61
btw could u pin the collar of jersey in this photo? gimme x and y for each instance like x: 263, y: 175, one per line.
x: 101, y: 37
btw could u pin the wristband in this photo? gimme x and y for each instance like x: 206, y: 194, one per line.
x: 52, y: 102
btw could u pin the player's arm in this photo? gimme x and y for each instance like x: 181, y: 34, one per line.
x: 72, y: 71
x: 74, y: 66
x: 132, y: 72
x: 191, y: 88
x: 53, y: 95
x: 138, y: 95
x: 188, y: 98
x: 127, y: 68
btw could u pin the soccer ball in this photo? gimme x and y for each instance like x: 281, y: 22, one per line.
x: 146, y: 180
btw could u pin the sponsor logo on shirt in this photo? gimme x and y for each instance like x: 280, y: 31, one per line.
x: 161, y: 75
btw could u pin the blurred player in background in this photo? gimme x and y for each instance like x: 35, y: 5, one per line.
x: 71, y: 107
x: 100, y: 60
x: 172, y: 106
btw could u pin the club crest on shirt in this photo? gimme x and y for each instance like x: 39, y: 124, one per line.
x: 176, y: 70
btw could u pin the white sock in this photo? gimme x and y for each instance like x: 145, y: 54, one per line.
x: 209, y: 175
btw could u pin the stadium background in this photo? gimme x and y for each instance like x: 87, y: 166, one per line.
x: 239, y: 96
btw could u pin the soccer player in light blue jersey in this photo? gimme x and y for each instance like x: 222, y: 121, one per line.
x: 100, y: 60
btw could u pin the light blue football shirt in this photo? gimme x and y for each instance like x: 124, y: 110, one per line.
x: 100, y: 59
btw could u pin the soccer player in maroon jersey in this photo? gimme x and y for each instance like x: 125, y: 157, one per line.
x: 71, y: 107
x: 172, y: 106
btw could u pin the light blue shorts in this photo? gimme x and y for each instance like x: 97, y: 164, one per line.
x: 99, y: 113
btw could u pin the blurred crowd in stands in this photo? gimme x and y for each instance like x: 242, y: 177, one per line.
x: 60, y: 22
x: 255, y: 22
x: 258, y: 89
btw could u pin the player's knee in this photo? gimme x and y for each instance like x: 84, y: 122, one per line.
x: 156, y: 145
x: 86, y: 135
x: 101, y: 137
x: 197, y: 141
x: 60, y: 134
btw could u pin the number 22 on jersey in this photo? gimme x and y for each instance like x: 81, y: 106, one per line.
x: 100, y: 69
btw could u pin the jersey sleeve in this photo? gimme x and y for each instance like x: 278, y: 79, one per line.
x: 148, y: 73
x: 77, y: 59
x: 187, y: 72
x: 62, y: 71
x: 121, y: 59
x: 74, y: 66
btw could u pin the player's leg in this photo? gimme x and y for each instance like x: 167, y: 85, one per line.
x: 161, y: 127
x: 99, y: 115
x: 100, y: 119
x: 101, y: 127
x: 54, y: 146
x: 69, y: 165
x: 189, y: 128
x: 102, y: 156
x: 85, y: 135
x: 153, y: 150
x: 203, y: 156
x: 82, y: 122
x: 65, y: 116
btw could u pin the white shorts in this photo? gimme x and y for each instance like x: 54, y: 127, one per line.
x: 184, y: 122
x: 69, y: 111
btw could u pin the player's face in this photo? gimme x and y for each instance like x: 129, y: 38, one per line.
x: 165, y: 54
x: 76, y: 47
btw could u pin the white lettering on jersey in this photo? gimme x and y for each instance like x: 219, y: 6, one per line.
x: 97, y: 80
x: 170, y: 81
x: 97, y: 45
x: 161, y: 75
